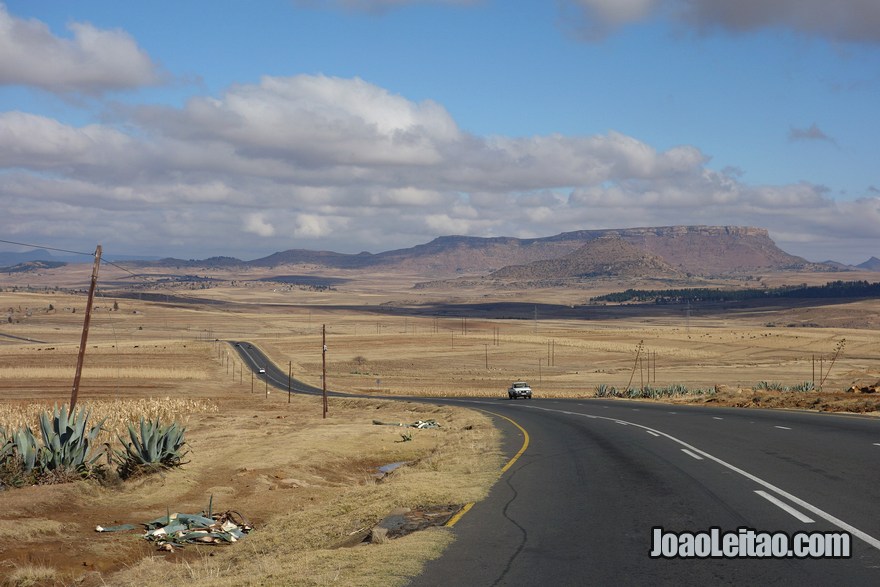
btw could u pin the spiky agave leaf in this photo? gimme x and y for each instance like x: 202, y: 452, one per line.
x: 27, y: 448
x: 68, y: 441
x: 156, y: 447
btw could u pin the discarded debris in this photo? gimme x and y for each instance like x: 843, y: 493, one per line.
x: 386, y: 470
x: 404, y: 521
x: 425, y: 424
x: 420, y: 424
x: 865, y: 388
x: 178, y: 530
x: 119, y: 528
x: 400, y: 522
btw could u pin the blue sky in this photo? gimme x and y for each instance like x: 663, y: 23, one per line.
x: 193, y: 129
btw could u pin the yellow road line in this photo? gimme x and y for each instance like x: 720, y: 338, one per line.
x: 525, y: 440
x: 454, y: 519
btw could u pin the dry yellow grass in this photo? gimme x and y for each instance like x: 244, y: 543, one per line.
x: 245, y: 445
x: 115, y: 415
x: 31, y: 576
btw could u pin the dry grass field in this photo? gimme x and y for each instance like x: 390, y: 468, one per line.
x: 305, y: 482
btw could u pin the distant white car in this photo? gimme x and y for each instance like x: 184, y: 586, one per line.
x: 519, y: 389
x: 262, y: 370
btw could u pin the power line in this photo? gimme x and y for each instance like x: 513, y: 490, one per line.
x: 47, y: 248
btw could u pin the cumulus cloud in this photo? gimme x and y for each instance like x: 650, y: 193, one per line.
x: 314, y: 121
x: 844, y: 20
x: 94, y: 61
x: 341, y: 164
x: 255, y: 223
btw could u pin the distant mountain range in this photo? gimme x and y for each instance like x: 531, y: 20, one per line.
x: 8, y: 259
x: 664, y: 252
x: 872, y: 264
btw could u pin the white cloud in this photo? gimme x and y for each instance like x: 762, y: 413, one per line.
x: 256, y: 223
x: 92, y: 62
x: 342, y: 164
x: 314, y: 121
x: 28, y: 140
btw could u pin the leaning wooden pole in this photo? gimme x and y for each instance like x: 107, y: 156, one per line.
x: 324, y: 366
x: 85, y: 331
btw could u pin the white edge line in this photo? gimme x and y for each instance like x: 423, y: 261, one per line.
x: 864, y: 536
x: 691, y: 454
x: 785, y: 506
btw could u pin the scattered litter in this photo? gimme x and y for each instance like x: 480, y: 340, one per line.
x: 425, y: 424
x: 400, y: 522
x: 420, y: 424
x: 404, y: 521
x: 178, y: 530
x: 119, y: 528
x: 386, y: 470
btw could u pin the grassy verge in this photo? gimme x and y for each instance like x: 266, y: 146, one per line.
x: 305, y: 483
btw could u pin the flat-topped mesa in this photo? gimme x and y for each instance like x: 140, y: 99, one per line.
x: 668, y: 231
x: 695, y: 250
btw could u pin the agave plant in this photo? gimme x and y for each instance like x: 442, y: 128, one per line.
x: 156, y: 447
x: 6, y: 445
x: 67, y: 441
x: 23, y: 446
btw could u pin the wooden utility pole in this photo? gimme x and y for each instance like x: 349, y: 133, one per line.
x: 288, y: 380
x: 85, y: 332
x: 635, y: 364
x: 324, y: 365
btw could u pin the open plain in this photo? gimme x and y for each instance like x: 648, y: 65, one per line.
x: 158, y: 346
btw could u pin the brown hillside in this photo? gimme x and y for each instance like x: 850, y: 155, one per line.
x: 698, y: 250
x: 606, y: 256
x: 713, y: 250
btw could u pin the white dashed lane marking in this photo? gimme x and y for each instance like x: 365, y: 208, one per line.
x: 784, y: 506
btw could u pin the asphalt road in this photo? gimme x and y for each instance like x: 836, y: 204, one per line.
x: 578, y: 506
x: 254, y: 358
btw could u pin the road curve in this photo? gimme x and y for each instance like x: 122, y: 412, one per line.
x: 578, y: 507
x: 579, y: 504
x: 255, y: 360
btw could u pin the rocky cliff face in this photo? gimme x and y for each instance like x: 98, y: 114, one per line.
x: 714, y: 250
